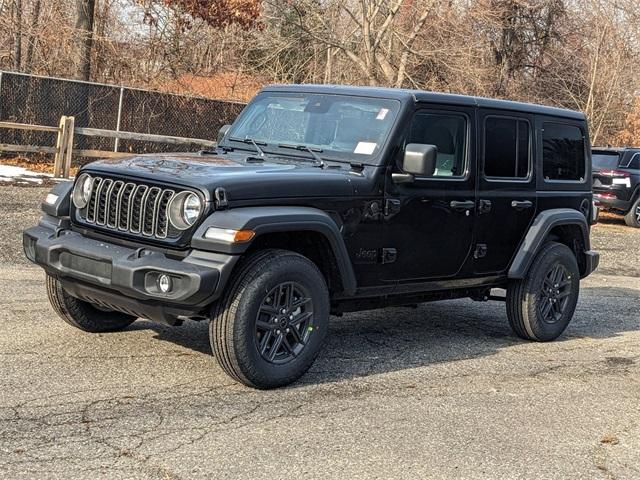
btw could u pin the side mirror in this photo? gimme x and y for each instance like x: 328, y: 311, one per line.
x: 419, y: 159
x: 222, y: 132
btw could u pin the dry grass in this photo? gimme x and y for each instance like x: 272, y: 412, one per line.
x: 36, y: 164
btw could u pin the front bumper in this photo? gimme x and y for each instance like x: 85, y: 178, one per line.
x: 592, y: 259
x: 125, y: 279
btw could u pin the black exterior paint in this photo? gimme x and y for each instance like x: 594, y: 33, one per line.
x: 400, y: 240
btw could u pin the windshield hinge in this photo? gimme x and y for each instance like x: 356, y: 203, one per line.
x: 391, y: 206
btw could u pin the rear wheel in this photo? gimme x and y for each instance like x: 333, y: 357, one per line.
x: 84, y: 315
x: 540, y: 306
x: 632, y: 218
x: 270, y: 326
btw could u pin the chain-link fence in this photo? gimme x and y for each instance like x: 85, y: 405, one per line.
x: 44, y: 100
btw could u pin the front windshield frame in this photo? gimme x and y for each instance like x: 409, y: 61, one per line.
x: 237, y: 139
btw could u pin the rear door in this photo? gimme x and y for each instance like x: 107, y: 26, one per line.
x: 506, y: 203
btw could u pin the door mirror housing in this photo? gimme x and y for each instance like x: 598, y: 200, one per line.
x: 419, y: 159
x: 222, y: 132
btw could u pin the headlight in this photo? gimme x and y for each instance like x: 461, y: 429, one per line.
x: 184, y: 210
x: 82, y: 190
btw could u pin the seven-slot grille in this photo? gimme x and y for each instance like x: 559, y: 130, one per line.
x: 129, y: 207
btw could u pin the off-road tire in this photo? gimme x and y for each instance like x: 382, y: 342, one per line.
x: 84, y: 315
x: 525, y: 297
x: 234, y: 318
x: 632, y: 218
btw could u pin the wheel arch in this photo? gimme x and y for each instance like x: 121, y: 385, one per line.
x: 305, y: 230
x: 563, y: 225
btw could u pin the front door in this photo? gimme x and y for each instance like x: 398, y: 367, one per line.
x: 506, y: 193
x: 429, y: 222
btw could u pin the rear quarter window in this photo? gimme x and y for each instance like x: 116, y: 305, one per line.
x: 563, y: 152
x: 634, y: 162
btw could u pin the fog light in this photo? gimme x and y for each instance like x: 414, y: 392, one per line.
x: 164, y: 283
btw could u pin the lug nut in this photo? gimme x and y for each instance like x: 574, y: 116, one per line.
x: 290, y: 317
x: 287, y: 330
x: 277, y: 332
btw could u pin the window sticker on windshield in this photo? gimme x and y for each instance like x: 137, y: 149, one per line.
x: 365, y: 148
x: 382, y: 113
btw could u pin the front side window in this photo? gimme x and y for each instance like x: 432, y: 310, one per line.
x: 506, y: 148
x: 448, y: 132
x: 563, y: 156
x: 338, y: 127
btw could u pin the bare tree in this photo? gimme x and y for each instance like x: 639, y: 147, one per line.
x: 33, y: 36
x: 17, y: 45
x: 85, y: 10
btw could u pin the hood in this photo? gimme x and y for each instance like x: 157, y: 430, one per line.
x: 241, y: 180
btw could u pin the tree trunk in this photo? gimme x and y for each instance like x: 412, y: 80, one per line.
x: 17, y: 52
x: 84, y: 25
x: 33, y: 37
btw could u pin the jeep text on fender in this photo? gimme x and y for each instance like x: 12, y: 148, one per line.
x: 324, y: 200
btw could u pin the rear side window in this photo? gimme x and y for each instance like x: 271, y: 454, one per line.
x: 563, y: 155
x: 506, y: 148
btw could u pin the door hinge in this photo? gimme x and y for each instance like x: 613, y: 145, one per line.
x: 389, y: 255
x: 391, y: 206
x: 480, y: 251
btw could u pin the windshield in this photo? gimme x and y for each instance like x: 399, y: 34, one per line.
x: 337, y: 127
x: 605, y: 160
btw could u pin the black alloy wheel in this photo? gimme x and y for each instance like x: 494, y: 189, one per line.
x: 284, y: 323
x: 541, y: 305
x: 554, y: 294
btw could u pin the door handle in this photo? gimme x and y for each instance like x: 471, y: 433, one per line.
x: 521, y: 204
x: 462, y: 206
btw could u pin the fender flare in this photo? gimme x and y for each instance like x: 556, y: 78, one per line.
x: 538, y: 232
x: 264, y: 220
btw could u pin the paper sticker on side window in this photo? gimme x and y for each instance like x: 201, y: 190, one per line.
x: 365, y: 148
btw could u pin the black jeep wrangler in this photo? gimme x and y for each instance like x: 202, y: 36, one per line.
x: 323, y: 200
x: 616, y: 182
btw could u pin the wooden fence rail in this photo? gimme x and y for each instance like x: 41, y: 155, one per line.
x: 66, y: 131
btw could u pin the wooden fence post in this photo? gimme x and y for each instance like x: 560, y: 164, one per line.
x: 69, y: 127
x: 60, y: 147
x: 64, y: 148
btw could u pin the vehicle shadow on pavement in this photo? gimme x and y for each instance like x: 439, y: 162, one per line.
x: 393, y: 339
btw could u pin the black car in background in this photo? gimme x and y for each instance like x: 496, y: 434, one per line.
x: 616, y: 182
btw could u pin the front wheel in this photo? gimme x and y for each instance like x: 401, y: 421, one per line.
x: 270, y: 326
x: 540, y: 306
x: 632, y: 218
x: 84, y: 315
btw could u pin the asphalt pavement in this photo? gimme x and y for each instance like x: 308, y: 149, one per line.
x: 441, y: 391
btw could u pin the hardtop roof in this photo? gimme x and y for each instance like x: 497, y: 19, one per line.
x: 407, y: 95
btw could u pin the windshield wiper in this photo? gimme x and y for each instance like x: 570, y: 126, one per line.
x: 249, y: 140
x: 307, y: 148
